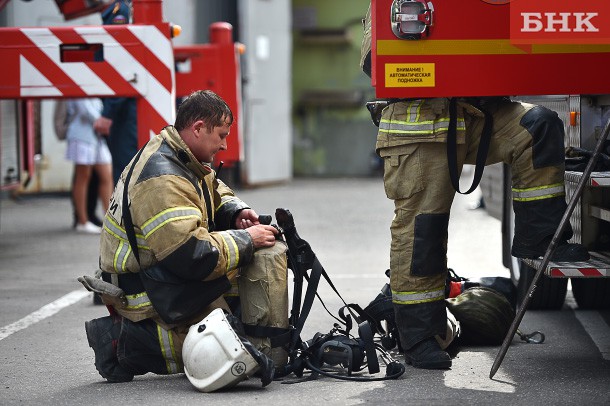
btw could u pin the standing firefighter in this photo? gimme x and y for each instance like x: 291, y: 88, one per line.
x: 413, y: 140
x: 171, y: 253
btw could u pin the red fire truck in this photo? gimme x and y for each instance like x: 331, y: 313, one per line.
x: 139, y: 61
x: 447, y: 48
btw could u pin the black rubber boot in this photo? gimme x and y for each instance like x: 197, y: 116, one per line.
x: 427, y: 354
x: 102, y: 335
x: 564, y: 251
x: 267, y: 367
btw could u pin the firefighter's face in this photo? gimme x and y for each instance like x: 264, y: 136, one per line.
x: 209, y: 142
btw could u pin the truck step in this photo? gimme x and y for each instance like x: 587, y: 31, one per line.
x: 597, y: 267
x: 597, y: 179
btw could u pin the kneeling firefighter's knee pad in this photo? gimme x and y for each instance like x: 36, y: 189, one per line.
x: 430, y: 244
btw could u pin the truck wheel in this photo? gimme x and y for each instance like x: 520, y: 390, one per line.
x: 550, y: 293
x: 591, y: 293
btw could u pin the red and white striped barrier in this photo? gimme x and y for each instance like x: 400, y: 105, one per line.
x: 596, y: 267
x: 558, y: 272
x: 60, y: 62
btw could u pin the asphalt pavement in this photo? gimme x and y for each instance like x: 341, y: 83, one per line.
x: 45, y: 359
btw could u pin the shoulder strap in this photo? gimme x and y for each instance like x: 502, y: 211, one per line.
x: 131, y: 234
x: 208, y: 206
x: 452, y: 148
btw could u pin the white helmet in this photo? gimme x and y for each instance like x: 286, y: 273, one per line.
x: 214, y: 356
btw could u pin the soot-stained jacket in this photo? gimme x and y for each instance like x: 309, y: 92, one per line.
x: 172, y: 221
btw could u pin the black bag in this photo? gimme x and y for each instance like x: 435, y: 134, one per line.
x: 176, y: 299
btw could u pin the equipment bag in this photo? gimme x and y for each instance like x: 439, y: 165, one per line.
x: 479, y: 312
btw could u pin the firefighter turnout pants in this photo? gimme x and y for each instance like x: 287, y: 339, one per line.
x: 412, y: 141
x: 151, y: 346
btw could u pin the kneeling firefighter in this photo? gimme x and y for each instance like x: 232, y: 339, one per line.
x: 424, y: 144
x: 175, y: 240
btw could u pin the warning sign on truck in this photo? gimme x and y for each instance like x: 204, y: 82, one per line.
x: 409, y: 75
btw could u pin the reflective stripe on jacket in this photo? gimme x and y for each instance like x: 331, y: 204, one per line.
x: 418, y: 120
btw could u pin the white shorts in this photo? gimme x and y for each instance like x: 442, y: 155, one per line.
x: 84, y: 153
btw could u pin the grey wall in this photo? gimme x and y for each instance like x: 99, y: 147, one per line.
x: 265, y: 30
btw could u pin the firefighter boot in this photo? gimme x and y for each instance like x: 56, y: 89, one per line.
x: 102, y: 335
x: 267, y: 368
x: 427, y: 354
x: 564, y: 251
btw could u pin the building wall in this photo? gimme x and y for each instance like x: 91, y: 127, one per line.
x: 265, y: 31
x: 333, y: 133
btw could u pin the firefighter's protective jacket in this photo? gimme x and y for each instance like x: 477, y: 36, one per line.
x: 168, y: 192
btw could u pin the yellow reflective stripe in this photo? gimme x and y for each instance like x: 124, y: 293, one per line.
x: 225, y: 199
x: 448, y: 47
x: 137, y: 301
x: 418, y: 297
x: 120, y: 256
x: 234, y: 291
x: 169, y: 215
x: 413, y: 109
x: 422, y: 127
x: 167, y: 349
x: 538, y: 193
x: 123, y: 249
x: 231, y: 249
x: 119, y: 232
x: 481, y: 47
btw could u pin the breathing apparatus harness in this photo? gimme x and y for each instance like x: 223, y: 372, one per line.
x: 338, y: 348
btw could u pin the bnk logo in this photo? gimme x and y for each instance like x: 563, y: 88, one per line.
x: 560, y: 21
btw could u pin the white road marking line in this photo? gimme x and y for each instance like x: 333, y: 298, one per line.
x: 597, y: 328
x: 44, y: 312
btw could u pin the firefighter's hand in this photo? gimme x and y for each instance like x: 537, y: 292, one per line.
x: 102, y: 126
x: 246, y: 218
x: 262, y: 235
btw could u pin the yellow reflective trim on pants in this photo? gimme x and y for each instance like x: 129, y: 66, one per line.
x: 137, y: 301
x: 234, y: 291
x: 169, y: 215
x: 418, y: 297
x: 538, y: 192
x: 167, y: 349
